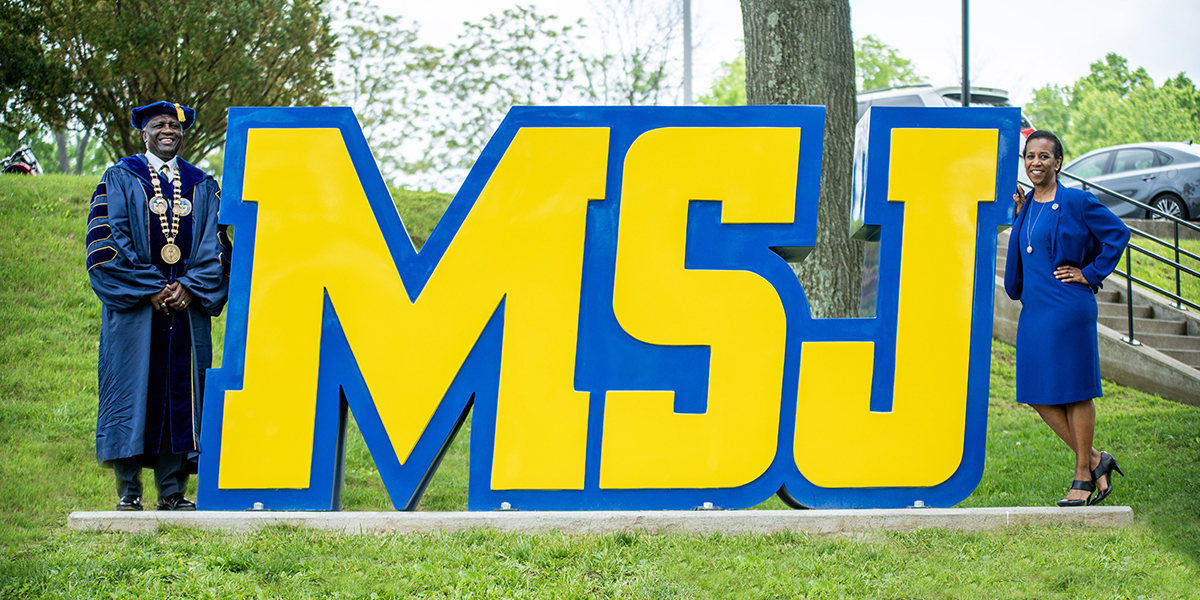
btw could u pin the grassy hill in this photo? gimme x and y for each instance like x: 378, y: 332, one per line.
x: 49, y: 323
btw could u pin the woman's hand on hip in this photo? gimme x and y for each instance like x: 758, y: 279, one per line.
x: 1069, y: 274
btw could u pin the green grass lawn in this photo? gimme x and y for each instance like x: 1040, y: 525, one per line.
x: 1164, y: 275
x: 49, y: 321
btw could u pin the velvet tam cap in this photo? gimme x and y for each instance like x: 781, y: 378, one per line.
x: 140, y: 115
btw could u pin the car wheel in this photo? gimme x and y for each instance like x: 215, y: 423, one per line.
x: 1170, y: 204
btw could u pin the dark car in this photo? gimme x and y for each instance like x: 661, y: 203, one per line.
x: 1165, y: 175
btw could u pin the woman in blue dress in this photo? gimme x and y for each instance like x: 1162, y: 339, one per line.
x: 1063, y: 244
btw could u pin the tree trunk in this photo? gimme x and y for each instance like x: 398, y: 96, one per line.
x: 80, y: 150
x: 802, y: 52
x: 60, y: 140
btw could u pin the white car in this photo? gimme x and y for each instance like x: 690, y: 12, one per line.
x: 924, y: 94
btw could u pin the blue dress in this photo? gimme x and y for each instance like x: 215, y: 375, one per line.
x: 1058, y: 359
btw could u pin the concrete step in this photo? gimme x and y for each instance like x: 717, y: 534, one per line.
x: 1187, y: 357
x: 1120, y: 309
x: 1121, y: 324
x: 1165, y: 341
x: 1109, y: 296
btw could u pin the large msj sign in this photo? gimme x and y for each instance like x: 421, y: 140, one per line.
x: 610, y: 290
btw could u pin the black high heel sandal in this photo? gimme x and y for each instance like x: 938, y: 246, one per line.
x: 1078, y: 484
x: 1107, y: 465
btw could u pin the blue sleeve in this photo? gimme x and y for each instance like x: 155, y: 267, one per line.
x: 205, y: 278
x: 1013, y: 282
x: 1112, y: 235
x: 119, y: 277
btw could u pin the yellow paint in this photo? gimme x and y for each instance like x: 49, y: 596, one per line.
x: 940, y: 175
x: 737, y: 314
x: 316, y: 232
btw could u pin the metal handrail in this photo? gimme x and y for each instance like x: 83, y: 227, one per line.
x: 1163, y: 259
x: 1129, y: 200
x: 1164, y: 243
x: 1180, y: 269
x: 1147, y: 284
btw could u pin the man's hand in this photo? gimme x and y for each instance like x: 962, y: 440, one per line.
x: 178, y: 297
x: 158, y: 300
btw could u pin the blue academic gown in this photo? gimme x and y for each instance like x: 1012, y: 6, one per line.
x: 1058, y: 360
x: 152, y: 366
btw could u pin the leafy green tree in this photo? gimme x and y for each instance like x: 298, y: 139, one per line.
x: 1050, y: 109
x: 1113, y: 104
x: 517, y: 57
x: 729, y: 89
x: 878, y: 65
x: 209, y: 54
x: 428, y: 111
x: 635, y: 67
x: 1113, y: 75
x: 1190, y: 96
x: 378, y: 73
x: 32, y: 85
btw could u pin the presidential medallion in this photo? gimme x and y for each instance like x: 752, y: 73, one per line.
x: 171, y: 254
x: 158, y: 205
x: 183, y: 207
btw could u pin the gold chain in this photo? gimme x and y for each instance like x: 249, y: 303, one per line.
x: 170, y: 252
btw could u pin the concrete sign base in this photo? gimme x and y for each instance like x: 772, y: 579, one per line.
x: 599, y: 522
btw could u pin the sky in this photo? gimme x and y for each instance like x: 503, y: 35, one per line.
x: 1017, y: 46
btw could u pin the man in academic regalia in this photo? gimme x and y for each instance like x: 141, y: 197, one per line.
x: 154, y: 256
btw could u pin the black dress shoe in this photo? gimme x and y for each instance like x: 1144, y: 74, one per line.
x: 130, y: 503
x: 1086, y: 486
x: 176, y: 502
x: 1107, y: 465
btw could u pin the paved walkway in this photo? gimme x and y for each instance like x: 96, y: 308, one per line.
x: 595, y: 522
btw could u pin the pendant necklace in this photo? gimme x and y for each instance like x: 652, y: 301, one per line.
x: 1033, y: 225
x: 159, y: 205
x: 1029, y: 233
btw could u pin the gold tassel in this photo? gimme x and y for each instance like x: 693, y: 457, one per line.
x: 179, y: 113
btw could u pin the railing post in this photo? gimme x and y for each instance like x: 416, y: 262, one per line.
x: 1129, y: 296
x: 1178, y: 293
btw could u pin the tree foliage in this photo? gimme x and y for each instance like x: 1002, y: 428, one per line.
x: 209, y: 54
x: 729, y: 89
x: 878, y: 65
x: 514, y: 58
x: 32, y: 85
x: 639, y: 39
x: 1116, y: 105
x: 429, y: 111
x: 377, y: 74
